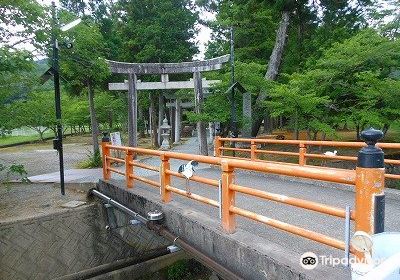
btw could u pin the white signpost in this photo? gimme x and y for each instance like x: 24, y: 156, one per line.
x: 116, y: 139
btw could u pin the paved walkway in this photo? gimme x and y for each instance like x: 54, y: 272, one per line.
x: 93, y: 175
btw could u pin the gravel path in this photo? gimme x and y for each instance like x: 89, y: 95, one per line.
x: 41, y: 159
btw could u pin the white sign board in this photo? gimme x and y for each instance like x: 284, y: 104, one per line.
x: 116, y: 139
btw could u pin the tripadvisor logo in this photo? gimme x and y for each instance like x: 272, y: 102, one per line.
x: 309, y: 260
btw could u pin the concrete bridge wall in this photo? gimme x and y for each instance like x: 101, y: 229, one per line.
x: 58, y: 244
x: 245, y: 254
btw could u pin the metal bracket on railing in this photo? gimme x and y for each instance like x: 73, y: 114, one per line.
x: 111, y: 218
x: 173, y: 248
x: 134, y: 222
x: 347, y: 235
x: 220, y: 198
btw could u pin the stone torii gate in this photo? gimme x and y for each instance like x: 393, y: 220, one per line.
x: 163, y: 69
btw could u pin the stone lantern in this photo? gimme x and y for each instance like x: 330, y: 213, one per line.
x: 165, y: 130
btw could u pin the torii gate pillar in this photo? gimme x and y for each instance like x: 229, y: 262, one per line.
x: 201, y: 126
x: 178, y: 120
x: 132, y: 110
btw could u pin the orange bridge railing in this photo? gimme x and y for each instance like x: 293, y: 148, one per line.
x: 251, y: 149
x: 367, y: 179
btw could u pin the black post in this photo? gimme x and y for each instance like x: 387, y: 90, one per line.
x: 233, y: 108
x: 370, y: 157
x: 57, y: 142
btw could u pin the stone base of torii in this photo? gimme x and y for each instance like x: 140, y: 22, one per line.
x: 163, y: 69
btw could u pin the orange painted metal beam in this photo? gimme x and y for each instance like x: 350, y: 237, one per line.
x: 195, y: 178
x: 114, y: 159
x: 392, y: 161
x: 129, y: 169
x: 349, y: 158
x: 217, y: 145
x: 193, y: 196
x: 147, y: 181
x: 392, y: 176
x: 242, y: 158
x: 312, y: 143
x: 302, y: 154
x: 311, y: 172
x: 312, y: 235
x: 116, y: 171
x: 227, y: 197
x: 235, y: 149
x: 105, y: 151
x: 253, y: 148
x: 181, y: 156
x: 369, y: 182
x: 165, y: 179
x: 277, y: 153
x: 301, y: 203
x: 145, y: 166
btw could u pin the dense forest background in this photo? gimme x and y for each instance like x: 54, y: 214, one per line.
x: 312, y: 66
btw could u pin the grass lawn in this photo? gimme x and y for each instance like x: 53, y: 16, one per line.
x: 7, y: 140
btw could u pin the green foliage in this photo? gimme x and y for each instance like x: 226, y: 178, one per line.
x: 155, y: 31
x: 306, y: 110
x: 8, y: 171
x: 352, y: 82
x: 28, y: 15
x: 84, y: 65
x: 93, y: 161
x: 178, y: 271
x: 36, y: 112
x: 217, y: 106
x: 75, y: 111
x: 109, y: 109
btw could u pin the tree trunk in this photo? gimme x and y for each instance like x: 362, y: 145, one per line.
x: 40, y: 134
x: 161, y: 112
x: 296, y: 126
x: 268, y: 124
x: 110, y: 119
x: 273, y: 67
x: 308, y: 134
x: 385, y: 129
x: 93, y: 120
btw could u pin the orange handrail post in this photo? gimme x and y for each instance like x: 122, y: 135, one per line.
x: 227, y: 198
x: 217, y: 144
x: 302, y: 154
x: 105, y: 141
x: 129, y: 168
x: 165, y: 179
x: 253, y: 147
x: 370, y: 183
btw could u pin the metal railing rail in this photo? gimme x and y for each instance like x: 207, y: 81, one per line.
x: 302, y: 154
x: 368, y: 182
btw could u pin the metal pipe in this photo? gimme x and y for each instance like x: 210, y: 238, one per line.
x: 119, y: 206
x: 177, y: 240
x: 210, y: 263
x: 347, y: 235
x: 108, y: 267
